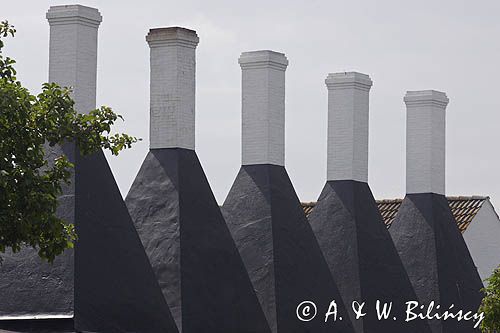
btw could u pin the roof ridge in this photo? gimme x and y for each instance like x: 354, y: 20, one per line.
x: 463, y: 208
x: 395, y: 200
x: 468, y: 197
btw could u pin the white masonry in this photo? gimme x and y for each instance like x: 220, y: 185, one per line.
x: 347, y: 145
x: 263, y: 107
x: 172, y: 87
x: 73, y: 51
x: 425, y: 141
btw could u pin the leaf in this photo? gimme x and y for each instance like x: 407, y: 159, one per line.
x: 31, y: 181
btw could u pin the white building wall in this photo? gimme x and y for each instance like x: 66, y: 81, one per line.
x: 483, y: 240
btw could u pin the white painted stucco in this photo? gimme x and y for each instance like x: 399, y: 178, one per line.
x: 425, y: 141
x: 483, y: 239
x: 73, y: 51
x: 263, y: 107
x: 172, y: 87
x: 348, y: 126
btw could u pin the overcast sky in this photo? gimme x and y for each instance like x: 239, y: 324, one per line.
x: 451, y: 46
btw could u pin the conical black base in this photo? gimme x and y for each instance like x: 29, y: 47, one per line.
x: 115, y: 286
x: 189, y: 245
x: 362, y: 257
x: 280, y: 251
x: 105, y: 285
x: 436, y: 257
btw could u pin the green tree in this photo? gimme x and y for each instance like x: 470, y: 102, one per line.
x: 491, y: 304
x: 29, y: 183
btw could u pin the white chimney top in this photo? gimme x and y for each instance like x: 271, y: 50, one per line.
x: 425, y: 141
x: 73, y: 51
x: 263, y: 107
x: 172, y: 87
x: 348, y: 104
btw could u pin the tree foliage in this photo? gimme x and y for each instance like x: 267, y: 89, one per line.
x: 491, y: 304
x: 30, y: 184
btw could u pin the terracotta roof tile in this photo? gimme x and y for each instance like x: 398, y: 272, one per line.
x: 464, y: 209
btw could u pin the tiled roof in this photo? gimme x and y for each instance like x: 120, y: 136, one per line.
x: 464, y: 209
x: 308, y: 207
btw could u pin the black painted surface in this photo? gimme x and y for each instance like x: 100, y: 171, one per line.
x: 436, y: 257
x: 30, y: 286
x: 153, y: 203
x: 280, y: 251
x: 362, y: 256
x: 107, y: 282
x: 189, y: 245
x: 115, y: 286
x: 63, y: 325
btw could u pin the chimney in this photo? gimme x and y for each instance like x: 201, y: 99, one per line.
x: 425, y: 141
x: 73, y: 51
x: 172, y: 87
x: 348, y: 100
x: 263, y: 107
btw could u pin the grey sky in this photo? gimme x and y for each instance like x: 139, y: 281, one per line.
x: 452, y: 46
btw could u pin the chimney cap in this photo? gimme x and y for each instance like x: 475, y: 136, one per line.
x: 172, y: 36
x: 348, y: 80
x: 426, y: 97
x: 262, y: 59
x: 64, y: 14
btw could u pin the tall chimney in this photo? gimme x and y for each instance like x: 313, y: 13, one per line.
x: 348, y: 100
x: 73, y: 51
x: 172, y: 87
x: 425, y: 141
x: 263, y: 107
